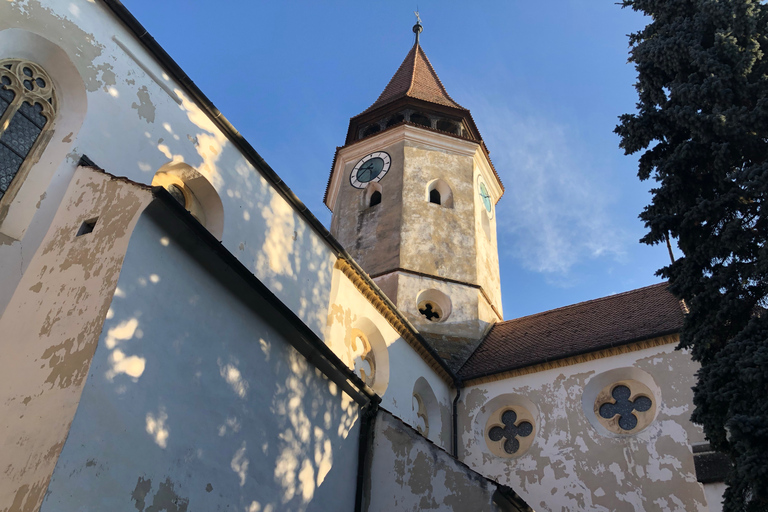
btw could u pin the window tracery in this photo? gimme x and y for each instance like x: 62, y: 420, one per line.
x: 421, y: 414
x: 510, y: 430
x: 363, y: 359
x: 625, y: 407
x: 27, y: 110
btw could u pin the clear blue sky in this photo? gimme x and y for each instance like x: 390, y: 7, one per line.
x: 545, y: 82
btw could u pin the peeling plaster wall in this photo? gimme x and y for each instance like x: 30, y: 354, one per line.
x: 404, y: 367
x: 371, y: 235
x: 438, y: 240
x: 138, y: 119
x: 51, y: 328
x: 571, y: 466
x: 408, y: 473
x: 196, y: 402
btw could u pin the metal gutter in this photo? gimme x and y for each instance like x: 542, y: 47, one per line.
x: 175, y: 71
x: 365, y: 443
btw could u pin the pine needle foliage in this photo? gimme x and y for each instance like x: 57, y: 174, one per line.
x: 701, y: 129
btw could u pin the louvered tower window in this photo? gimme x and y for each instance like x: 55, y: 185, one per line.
x: 27, y: 109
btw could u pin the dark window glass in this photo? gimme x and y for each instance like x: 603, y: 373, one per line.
x: 434, y: 196
x: 375, y: 198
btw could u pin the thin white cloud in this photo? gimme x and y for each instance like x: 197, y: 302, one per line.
x: 555, y: 212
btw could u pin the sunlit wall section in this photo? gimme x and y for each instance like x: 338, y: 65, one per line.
x: 196, y: 398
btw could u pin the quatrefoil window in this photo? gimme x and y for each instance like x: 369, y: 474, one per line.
x: 430, y: 311
x: 510, y: 432
x: 625, y: 407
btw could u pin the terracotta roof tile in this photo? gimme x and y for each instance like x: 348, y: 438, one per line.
x: 415, y: 78
x: 585, y: 327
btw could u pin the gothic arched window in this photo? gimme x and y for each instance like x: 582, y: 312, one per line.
x: 27, y: 109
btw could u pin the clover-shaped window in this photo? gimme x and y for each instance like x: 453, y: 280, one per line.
x: 625, y: 407
x: 510, y: 431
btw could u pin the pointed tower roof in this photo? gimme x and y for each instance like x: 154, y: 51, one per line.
x: 415, y: 78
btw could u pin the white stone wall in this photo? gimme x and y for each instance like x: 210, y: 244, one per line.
x: 398, y: 366
x: 121, y: 109
x: 51, y: 327
x: 195, y: 400
x: 408, y: 473
x: 572, y: 465
x: 136, y: 120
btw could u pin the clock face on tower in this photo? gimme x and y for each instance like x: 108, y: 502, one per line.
x: 484, y: 196
x: 370, y: 168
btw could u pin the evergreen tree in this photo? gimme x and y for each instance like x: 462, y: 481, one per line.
x: 701, y: 127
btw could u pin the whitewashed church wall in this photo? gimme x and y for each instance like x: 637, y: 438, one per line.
x: 714, y: 493
x: 194, y: 400
x: 51, y: 328
x: 407, y: 473
x: 398, y: 366
x: 138, y: 120
x: 571, y: 464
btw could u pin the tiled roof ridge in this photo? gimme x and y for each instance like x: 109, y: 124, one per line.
x: 579, y: 304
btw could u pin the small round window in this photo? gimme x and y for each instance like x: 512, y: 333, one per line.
x: 433, y: 305
x: 510, y: 431
x: 625, y: 407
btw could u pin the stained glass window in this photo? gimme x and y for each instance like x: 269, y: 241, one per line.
x: 27, y: 105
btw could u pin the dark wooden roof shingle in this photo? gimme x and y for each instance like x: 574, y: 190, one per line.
x: 572, y: 330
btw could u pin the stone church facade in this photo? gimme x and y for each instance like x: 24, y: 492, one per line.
x: 180, y: 333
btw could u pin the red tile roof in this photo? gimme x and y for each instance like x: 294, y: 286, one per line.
x: 415, y: 78
x: 585, y: 327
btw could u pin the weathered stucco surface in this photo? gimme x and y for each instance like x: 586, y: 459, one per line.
x: 398, y: 364
x: 573, y: 466
x: 408, y: 473
x: 138, y: 120
x: 408, y: 232
x: 371, y: 235
x: 194, y: 401
x: 51, y: 327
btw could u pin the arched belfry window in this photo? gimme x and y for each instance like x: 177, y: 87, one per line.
x: 27, y: 109
x: 372, y: 195
x: 439, y: 192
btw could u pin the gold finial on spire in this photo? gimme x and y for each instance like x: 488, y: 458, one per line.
x: 417, y: 28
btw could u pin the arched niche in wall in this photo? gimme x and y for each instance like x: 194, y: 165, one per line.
x: 442, y: 190
x: 19, y: 205
x: 428, y: 420
x: 621, y: 402
x: 195, y: 193
x: 368, y: 355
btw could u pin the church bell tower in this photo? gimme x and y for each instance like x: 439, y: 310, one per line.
x: 413, y: 195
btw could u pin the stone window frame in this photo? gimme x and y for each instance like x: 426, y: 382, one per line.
x: 598, y: 391
x: 13, y: 78
x: 437, y: 301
